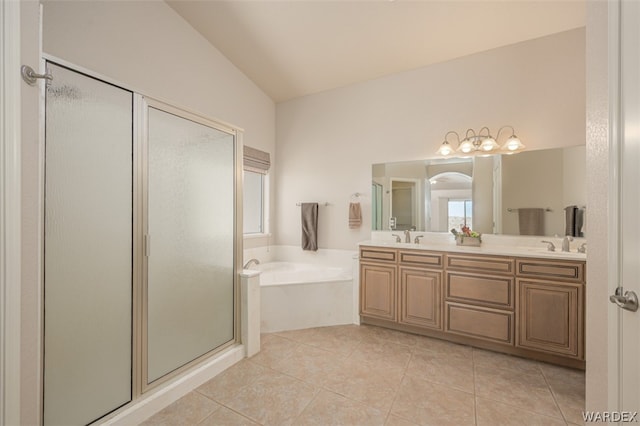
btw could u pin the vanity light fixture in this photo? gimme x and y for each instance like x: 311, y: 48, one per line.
x: 481, y: 143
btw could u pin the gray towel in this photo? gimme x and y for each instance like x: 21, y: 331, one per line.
x: 309, y: 219
x: 531, y: 221
x: 570, y: 221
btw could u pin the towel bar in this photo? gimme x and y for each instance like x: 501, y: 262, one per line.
x: 510, y: 210
x: 320, y: 204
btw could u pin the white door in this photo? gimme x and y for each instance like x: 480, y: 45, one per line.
x: 629, y: 205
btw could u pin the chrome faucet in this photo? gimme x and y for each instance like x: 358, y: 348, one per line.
x: 550, y: 245
x: 398, y: 239
x: 407, y: 236
x: 565, y: 242
x: 249, y: 262
x: 416, y: 240
x: 582, y: 248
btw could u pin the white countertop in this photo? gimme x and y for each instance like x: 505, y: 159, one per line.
x: 539, y: 251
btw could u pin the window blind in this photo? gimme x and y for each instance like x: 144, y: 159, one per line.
x: 256, y: 160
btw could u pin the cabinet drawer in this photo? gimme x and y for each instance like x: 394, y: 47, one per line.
x: 550, y: 269
x: 482, y: 323
x: 420, y: 258
x: 492, y: 291
x: 384, y: 255
x: 489, y: 264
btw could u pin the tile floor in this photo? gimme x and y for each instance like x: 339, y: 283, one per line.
x: 363, y: 375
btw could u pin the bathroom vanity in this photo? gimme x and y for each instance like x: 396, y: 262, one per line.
x: 519, y: 302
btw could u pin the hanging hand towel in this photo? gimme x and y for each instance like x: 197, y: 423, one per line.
x: 309, y: 219
x: 355, y: 215
x: 570, y: 221
x: 531, y: 221
x: 577, y: 227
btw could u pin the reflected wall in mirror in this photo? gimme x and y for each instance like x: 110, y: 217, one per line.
x: 490, y: 194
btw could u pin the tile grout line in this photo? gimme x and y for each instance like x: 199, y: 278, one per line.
x: 237, y: 391
x: 523, y: 409
x: 317, y: 393
x: 475, y: 390
x: 397, y: 391
x: 553, y: 394
x: 235, y: 411
x: 316, y: 388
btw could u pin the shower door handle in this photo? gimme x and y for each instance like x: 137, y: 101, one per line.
x: 147, y: 245
x: 627, y: 301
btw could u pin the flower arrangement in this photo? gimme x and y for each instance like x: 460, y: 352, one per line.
x: 467, y: 237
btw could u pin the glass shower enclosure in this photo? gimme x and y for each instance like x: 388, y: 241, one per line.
x: 140, y: 244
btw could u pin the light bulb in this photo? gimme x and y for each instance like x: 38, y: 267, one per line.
x: 489, y: 144
x: 513, y: 144
x: 445, y: 149
x: 466, y: 146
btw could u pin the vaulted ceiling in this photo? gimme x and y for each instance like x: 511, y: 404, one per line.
x: 292, y: 48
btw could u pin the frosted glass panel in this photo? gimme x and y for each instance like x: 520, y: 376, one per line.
x: 191, y: 227
x: 88, y: 248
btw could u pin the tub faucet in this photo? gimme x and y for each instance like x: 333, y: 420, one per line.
x: 407, y: 236
x: 249, y: 262
x: 565, y: 242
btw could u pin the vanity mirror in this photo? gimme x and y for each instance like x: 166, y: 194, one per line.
x: 489, y: 194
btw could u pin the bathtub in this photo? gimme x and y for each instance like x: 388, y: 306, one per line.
x: 303, y: 290
x: 285, y: 273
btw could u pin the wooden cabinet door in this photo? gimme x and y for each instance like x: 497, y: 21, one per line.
x: 421, y: 298
x: 378, y: 291
x: 551, y: 317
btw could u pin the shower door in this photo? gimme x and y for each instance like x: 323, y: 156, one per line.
x: 190, y: 239
x: 88, y: 248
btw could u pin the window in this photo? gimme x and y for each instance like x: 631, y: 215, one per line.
x: 255, y: 191
x: 253, y: 206
x: 460, y: 213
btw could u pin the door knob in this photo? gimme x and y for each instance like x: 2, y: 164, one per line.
x: 628, y: 301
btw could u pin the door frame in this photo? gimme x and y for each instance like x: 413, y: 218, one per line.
x: 614, y: 184
x: 10, y: 213
x: 142, y: 104
x: 415, y: 204
x: 622, y: 340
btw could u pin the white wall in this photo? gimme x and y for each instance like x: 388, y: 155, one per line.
x: 145, y: 46
x: 328, y: 141
x: 483, y: 219
x: 574, y: 168
x: 150, y: 48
